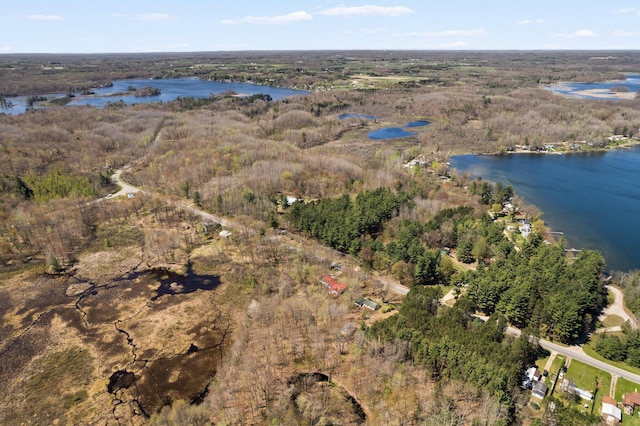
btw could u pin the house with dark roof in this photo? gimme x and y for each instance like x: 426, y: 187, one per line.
x: 539, y: 389
x: 363, y: 302
x: 334, y: 287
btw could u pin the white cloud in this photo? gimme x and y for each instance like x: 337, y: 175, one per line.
x: 279, y: 19
x: 531, y: 21
x: 620, y: 33
x: 7, y: 49
x: 580, y: 34
x: 154, y: 17
x: 372, y: 30
x: 448, y: 33
x: 367, y: 10
x: 44, y: 17
x: 628, y: 10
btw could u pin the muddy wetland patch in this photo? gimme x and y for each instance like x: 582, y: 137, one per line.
x: 93, y: 345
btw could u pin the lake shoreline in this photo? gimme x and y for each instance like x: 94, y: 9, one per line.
x: 628, y: 143
x: 575, y: 194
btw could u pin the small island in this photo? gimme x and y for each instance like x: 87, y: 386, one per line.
x: 145, y: 91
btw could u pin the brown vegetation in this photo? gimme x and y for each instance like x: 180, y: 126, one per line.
x: 85, y: 334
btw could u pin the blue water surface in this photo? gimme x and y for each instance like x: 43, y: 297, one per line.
x: 390, y: 133
x: 417, y: 123
x: 170, y: 88
x: 593, y: 198
x: 632, y: 82
x: 356, y: 115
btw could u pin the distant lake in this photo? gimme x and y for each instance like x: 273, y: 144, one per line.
x: 632, y: 83
x: 170, y: 88
x: 594, y: 198
x: 357, y: 115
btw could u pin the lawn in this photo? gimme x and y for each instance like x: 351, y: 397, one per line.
x: 586, y: 377
x: 623, y: 386
x: 541, y: 362
x: 612, y: 321
x: 556, y: 364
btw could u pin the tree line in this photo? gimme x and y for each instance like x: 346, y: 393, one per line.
x: 538, y: 288
x: 453, y: 345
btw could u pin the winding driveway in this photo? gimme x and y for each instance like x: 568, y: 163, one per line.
x: 616, y: 308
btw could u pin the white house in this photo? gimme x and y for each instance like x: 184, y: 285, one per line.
x: 611, y: 414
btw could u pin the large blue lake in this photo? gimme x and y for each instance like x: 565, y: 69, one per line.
x: 632, y: 83
x: 594, y: 198
x: 170, y: 89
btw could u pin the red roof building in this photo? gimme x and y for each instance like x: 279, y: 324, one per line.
x: 333, y: 287
x: 630, y: 400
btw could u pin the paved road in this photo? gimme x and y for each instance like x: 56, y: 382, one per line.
x: 574, y: 352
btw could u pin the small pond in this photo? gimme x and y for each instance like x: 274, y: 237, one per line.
x: 417, y: 123
x: 397, y: 132
x: 357, y: 115
x: 390, y: 133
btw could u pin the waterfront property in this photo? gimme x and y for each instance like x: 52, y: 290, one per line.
x: 576, y: 193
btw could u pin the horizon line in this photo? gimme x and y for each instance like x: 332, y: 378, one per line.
x: 315, y: 50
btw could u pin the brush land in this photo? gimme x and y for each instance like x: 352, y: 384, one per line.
x: 200, y: 296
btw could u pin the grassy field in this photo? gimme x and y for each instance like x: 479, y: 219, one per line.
x: 613, y: 321
x: 590, y: 379
x: 623, y: 386
x: 542, y: 361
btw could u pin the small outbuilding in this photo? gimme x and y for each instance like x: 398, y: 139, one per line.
x: 539, y: 390
x: 363, y: 302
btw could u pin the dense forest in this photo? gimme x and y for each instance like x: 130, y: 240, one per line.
x: 94, y: 285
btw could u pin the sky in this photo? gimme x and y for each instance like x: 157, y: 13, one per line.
x: 117, y: 26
